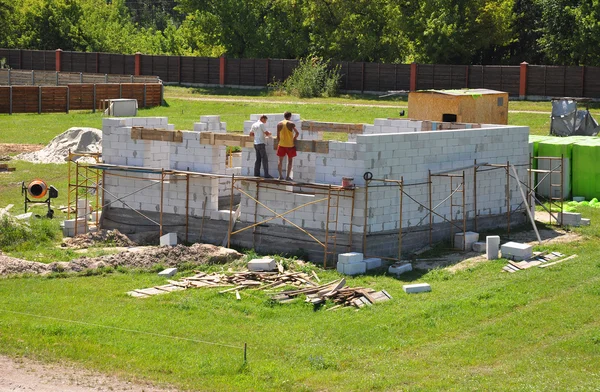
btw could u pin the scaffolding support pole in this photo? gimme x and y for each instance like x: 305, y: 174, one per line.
x: 364, y: 244
x: 230, y: 211
x: 327, y: 227
x: 255, y: 216
x: 351, y: 220
x: 162, y: 193
x: 507, y: 199
x: 187, y: 206
x: 475, y: 194
x: 430, y: 209
x: 401, y: 190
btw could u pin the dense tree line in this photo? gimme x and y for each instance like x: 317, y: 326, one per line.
x: 427, y: 31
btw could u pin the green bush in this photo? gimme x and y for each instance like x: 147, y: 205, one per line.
x: 313, y: 77
x: 13, y: 234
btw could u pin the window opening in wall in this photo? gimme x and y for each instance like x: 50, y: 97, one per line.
x: 447, y: 117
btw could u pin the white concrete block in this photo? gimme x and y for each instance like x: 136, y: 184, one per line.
x: 492, y: 246
x: 400, y: 268
x: 356, y: 268
x: 516, y: 251
x: 569, y: 218
x: 416, y: 288
x: 266, y: 264
x: 169, y: 239
x: 466, y: 240
x: 585, y: 222
x: 167, y: 273
x: 372, y: 263
x: 479, y: 247
x: 70, y: 223
x: 351, y: 257
x: 25, y: 216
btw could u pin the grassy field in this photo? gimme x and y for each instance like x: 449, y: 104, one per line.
x: 479, y: 328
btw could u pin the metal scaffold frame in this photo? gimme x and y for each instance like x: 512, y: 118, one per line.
x: 85, y: 182
x: 330, y: 194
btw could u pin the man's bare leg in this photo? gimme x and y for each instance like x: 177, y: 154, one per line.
x: 279, y: 167
x: 289, y: 169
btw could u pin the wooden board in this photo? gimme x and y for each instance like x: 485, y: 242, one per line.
x: 142, y: 133
x: 315, y: 126
x: 226, y: 139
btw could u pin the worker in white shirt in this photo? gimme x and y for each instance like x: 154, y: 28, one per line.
x: 259, y: 131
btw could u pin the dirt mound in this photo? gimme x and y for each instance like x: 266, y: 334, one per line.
x: 74, y: 139
x: 104, y: 237
x: 11, y: 148
x: 140, y: 257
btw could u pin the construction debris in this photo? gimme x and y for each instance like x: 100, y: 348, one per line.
x: 105, y: 237
x: 4, y: 168
x: 540, y: 259
x: 240, y: 281
x: 338, y: 292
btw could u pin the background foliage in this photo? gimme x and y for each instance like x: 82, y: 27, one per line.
x: 435, y: 31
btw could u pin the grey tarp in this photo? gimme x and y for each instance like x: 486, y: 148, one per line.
x: 567, y: 120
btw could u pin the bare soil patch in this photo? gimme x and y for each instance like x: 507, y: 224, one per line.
x: 12, y: 148
x: 25, y: 375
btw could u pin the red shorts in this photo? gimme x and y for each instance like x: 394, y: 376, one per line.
x: 289, y: 151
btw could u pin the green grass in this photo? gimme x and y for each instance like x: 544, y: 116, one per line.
x: 479, y: 328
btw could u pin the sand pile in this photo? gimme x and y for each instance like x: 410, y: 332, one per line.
x: 74, y: 139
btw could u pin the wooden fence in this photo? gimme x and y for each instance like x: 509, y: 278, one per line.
x: 16, y: 77
x: 45, y: 99
x: 522, y: 80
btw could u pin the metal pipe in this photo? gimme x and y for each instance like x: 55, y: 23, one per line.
x: 230, y: 211
x: 327, y: 229
x: 187, y: 207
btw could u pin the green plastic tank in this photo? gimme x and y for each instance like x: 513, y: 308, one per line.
x: 586, y: 168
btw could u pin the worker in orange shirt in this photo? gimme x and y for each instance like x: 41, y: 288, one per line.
x: 286, y: 135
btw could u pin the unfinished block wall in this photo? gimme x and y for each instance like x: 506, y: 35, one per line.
x: 388, y: 149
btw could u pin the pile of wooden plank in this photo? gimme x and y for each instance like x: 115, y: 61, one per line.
x: 240, y: 281
x: 338, y: 293
x: 540, y: 259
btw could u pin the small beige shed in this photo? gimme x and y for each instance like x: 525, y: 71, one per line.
x: 464, y: 106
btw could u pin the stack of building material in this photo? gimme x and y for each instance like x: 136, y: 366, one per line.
x: 241, y: 280
x: 539, y: 259
x: 338, y: 292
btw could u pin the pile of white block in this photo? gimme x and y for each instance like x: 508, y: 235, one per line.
x: 354, y: 263
x: 572, y: 219
x: 78, y: 225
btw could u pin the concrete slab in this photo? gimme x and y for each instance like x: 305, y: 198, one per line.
x: 479, y: 247
x: 416, y: 288
x: 372, y: 263
x: 265, y: 264
x: 466, y: 240
x: 399, y: 268
x: 570, y: 218
x: 354, y: 268
x: 167, y: 273
x: 492, y: 246
x: 351, y: 257
x: 516, y: 251
x: 169, y: 239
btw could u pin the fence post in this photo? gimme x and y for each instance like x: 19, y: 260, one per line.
x: 39, y: 99
x: 80, y: 77
x: 57, y: 62
x: 138, y: 64
x: 267, y: 69
x: 9, y: 77
x: 32, y: 77
x: 94, y: 104
x: 523, y: 80
x: 105, y: 78
x: 583, y: 80
x: 413, y: 77
x: 362, y: 77
x: 68, y: 98
x: 144, y: 95
x: 10, y: 100
x: 57, y: 78
x: 222, y: 62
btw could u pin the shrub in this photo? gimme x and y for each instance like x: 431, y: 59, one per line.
x: 313, y: 77
x: 14, y: 234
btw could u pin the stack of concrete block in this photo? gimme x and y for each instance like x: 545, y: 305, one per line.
x: 73, y: 227
x: 516, y: 251
x: 382, y: 125
x: 465, y: 241
x: 351, y: 263
x: 210, y: 124
x: 117, y: 146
